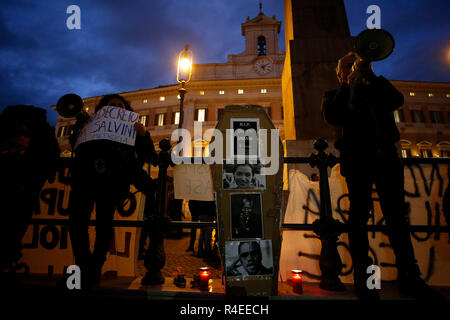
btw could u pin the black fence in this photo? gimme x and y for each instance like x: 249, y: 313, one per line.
x: 326, y: 227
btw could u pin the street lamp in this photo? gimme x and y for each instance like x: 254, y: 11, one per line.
x: 184, y: 72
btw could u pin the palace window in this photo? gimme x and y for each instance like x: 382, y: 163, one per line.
x: 144, y: 120
x: 176, y: 117
x: 202, y: 93
x: 399, y: 116
x: 221, y: 92
x: 444, y: 149
x: 263, y: 90
x: 240, y: 91
x: 426, y: 153
x: 436, y: 116
x: 160, y: 119
x: 425, y: 149
x: 144, y: 101
x: 406, y: 153
x: 200, y: 115
x: 162, y: 98
x: 261, y: 46
x: 406, y: 148
x: 417, y: 116
x: 61, y: 131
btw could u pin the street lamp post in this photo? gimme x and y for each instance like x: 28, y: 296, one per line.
x: 155, y: 258
x: 184, y: 72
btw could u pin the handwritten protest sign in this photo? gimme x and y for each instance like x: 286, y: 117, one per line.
x: 193, y: 182
x: 110, y: 123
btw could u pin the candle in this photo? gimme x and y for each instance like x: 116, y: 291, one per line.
x: 204, y: 278
x: 297, y: 281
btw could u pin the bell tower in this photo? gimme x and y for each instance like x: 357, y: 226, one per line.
x: 262, y: 57
x: 261, y: 35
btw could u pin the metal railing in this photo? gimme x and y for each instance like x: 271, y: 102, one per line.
x: 326, y: 227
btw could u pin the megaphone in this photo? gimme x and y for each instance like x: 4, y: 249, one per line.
x: 69, y: 105
x: 374, y: 44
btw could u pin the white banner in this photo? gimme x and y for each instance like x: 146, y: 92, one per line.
x: 47, y: 247
x: 424, y: 187
x: 110, y: 123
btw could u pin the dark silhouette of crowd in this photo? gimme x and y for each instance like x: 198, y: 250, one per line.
x: 29, y: 155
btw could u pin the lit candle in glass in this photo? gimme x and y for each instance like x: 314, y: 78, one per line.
x: 297, y: 281
x: 204, y: 278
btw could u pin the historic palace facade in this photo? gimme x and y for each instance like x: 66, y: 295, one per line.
x: 254, y: 77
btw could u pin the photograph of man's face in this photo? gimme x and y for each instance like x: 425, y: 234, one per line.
x: 250, y: 257
x: 246, y: 216
x: 245, y: 258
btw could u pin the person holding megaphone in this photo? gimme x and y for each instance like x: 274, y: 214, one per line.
x: 362, y: 108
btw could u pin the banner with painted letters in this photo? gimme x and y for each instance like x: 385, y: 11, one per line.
x: 47, y: 248
x: 110, y: 123
x: 424, y: 187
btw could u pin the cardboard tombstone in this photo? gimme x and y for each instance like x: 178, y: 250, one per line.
x: 249, y: 200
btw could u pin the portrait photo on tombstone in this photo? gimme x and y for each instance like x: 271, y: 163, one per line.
x: 245, y: 138
x: 243, y: 176
x: 248, y: 258
x: 246, y: 216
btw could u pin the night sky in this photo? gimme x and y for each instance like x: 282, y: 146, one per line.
x: 131, y: 45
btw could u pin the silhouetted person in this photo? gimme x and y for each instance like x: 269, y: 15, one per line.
x: 29, y: 155
x: 101, y: 174
x: 195, y: 217
x: 249, y: 261
x: 205, y: 211
x: 363, y: 108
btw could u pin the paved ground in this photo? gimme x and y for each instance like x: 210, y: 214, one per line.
x: 187, y: 262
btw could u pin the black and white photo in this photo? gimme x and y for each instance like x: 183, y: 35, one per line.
x: 246, y: 216
x: 245, y: 138
x: 243, y: 176
x: 248, y: 258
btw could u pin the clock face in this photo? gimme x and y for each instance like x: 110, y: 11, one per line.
x: 262, y: 66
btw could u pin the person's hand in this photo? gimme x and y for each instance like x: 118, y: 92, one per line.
x: 360, y: 70
x: 140, y: 129
x: 354, y: 77
x: 361, y: 64
x: 82, y: 118
x: 344, y: 67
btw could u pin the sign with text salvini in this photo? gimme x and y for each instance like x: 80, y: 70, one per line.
x: 110, y: 123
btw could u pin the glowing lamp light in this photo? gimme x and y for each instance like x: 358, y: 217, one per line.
x: 184, y: 70
x: 297, y: 281
x: 185, y: 64
x: 204, y: 278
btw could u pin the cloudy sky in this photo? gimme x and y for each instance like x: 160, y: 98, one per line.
x: 130, y: 45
